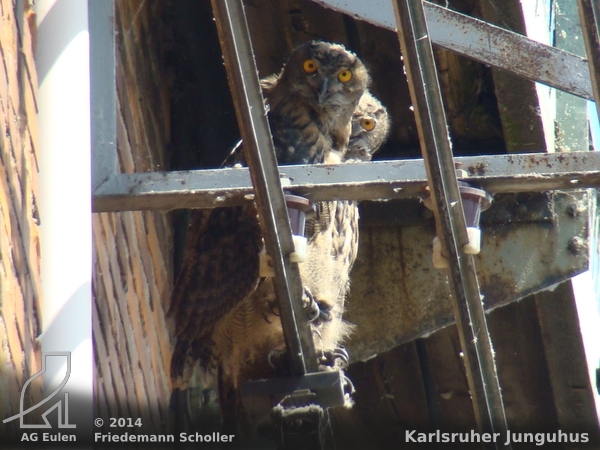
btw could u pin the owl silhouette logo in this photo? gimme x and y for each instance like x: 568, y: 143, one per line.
x: 62, y: 405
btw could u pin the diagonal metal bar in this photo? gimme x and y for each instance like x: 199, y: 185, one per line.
x: 531, y: 172
x: 468, y: 308
x: 245, y: 88
x: 589, y: 16
x: 486, y: 43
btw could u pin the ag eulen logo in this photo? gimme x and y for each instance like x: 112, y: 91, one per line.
x: 62, y: 405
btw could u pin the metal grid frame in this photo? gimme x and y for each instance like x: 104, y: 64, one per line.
x: 225, y: 187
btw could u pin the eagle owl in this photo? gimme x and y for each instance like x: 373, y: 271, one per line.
x: 224, y: 313
x: 251, y: 333
x: 370, y: 128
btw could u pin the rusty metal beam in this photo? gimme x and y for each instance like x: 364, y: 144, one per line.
x: 260, y: 154
x: 485, y: 43
x: 361, y: 181
x: 467, y: 303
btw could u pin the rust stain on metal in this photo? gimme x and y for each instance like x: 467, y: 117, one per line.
x: 541, y: 160
x: 403, y: 266
x: 478, y: 169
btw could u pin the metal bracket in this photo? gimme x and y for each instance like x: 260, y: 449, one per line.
x: 296, y: 407
x: 519, y: 257
x: 260, y: 396
x: 301, y: 424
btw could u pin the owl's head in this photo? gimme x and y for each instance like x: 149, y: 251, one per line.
x: 326, y: 75
x: 370, y: 128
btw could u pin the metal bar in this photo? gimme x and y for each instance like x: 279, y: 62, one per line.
x: 486, y: 43
x: 532, y: 172
x: 103, y: 85
x: 441, y: 174
x: 245, y: 88
x: 589, y: 16
x: 329, y: 387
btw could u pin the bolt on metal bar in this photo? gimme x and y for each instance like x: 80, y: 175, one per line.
x: 589, y: 16
x: 258, y: 146
x: 425, y: 92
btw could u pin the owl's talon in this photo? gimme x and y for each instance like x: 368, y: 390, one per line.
x: 271, y: 308
x: 274, y: 358
x: 342, y: 353
x: 310, y: 305
x: 270, y: 359
x: 324, y: 316
x: 266, y: 318
x: 338, y: 357
x: 348, y: 386
x: 314, y: 310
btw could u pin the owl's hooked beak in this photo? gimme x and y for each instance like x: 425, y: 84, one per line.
x: 323, y: 94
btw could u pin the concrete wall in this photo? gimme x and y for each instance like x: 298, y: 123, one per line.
x: 20, y: 284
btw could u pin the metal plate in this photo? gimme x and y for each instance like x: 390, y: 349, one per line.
x: 397, y: 295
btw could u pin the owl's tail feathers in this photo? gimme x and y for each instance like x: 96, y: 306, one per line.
x: 235, y: 418
x: 185, y: 357
x: 180, y: 373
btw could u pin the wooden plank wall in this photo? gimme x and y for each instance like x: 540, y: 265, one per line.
x: 133, y: 250
x: 20, y: 288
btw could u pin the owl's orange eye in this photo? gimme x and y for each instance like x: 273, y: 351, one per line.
x: 345, y: 75
x: 309, y: 66
x: 367, y: 124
